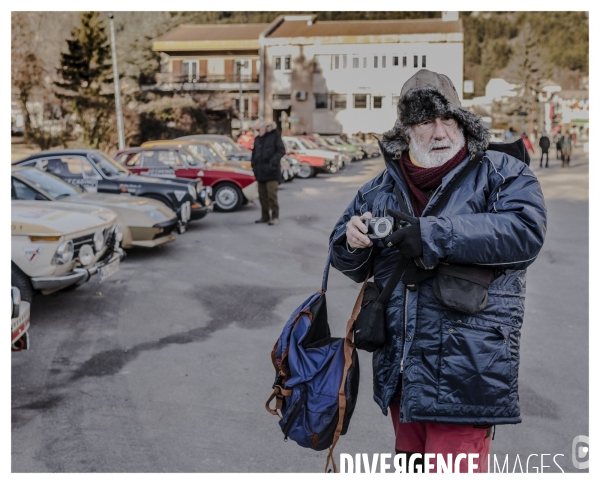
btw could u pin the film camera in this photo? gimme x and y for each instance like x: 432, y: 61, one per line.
x: 379, y: 227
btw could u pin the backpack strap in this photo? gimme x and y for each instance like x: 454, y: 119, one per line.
x: 349, y: 349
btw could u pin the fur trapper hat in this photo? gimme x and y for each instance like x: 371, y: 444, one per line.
x: 428, y: 95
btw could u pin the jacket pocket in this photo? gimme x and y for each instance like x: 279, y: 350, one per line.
x: 475, y: 366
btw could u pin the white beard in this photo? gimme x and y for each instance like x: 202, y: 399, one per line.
x: 428, y: 159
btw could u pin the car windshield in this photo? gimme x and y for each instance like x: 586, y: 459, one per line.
x: 51, y: 184
x: 308, y: 144
x: 107, y: 166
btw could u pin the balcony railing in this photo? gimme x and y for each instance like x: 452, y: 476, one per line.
x: 171, y: 78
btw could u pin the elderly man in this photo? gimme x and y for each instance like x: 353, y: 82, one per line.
x: 446, y: 376
x: 266, y: 164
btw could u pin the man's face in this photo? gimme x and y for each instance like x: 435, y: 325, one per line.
x: 435, y: 141
x: 262, y: 130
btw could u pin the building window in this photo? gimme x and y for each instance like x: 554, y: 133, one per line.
x: 404, y: 61
x: 190, y: 69
x: 416, y: 60
x: 344, y: 61
x: 355, y: 62
x: 423, y: 61
x: 338, y: 101
x: 375, y: 59
x: 395, y: 101
x: 377, y: 102
x: 336, y: 61
x: 360, y: 101
x: 395, y: 60
x: 321, y: 101
x: 282, y: 63
x: 364, y: 62
x: 282, y: 97
x: 382, y: 61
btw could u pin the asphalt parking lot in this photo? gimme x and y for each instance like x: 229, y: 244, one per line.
x: 166, y: 366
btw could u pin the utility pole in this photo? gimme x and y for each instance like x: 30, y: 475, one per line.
x: 119, y: 109
x: 240, y: 105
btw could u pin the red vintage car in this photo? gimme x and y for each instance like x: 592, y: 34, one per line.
x: 311, y: 165
x: 231, y: 187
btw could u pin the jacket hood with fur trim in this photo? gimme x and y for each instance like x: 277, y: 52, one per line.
x: 425, y: 102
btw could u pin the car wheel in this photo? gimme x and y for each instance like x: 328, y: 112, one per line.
x: 227, y: 197
x: 306, y: 171
x: 20, y: 280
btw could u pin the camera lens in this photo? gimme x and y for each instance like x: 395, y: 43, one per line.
x: 382, y: 227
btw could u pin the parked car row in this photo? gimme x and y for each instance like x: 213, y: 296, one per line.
x: 74, y: 211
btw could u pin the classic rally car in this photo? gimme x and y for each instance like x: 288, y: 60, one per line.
x: 93, y: 171
x: 20, y: 321
x: 145, y: 222
x: 231, y: 187
x: 55, y: 245
x: 206, y: 149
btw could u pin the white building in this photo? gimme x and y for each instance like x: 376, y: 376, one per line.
x: 346, y: 76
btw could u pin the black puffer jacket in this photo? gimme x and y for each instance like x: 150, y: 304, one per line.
x: 266, y: 156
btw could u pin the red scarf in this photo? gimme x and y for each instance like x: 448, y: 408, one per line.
x: 419, y: 178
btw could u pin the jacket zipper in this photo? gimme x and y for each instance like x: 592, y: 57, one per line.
x: 404, y: 339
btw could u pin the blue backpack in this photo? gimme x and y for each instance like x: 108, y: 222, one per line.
x: 317, y: 376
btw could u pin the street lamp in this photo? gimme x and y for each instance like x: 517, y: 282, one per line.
x: 119, y: 109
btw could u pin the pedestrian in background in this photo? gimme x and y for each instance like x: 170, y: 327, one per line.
x: 565, y: 149
x: 528, y: 144
x: 545, y: 146
x: 556, y: 139
x: 266, y: 164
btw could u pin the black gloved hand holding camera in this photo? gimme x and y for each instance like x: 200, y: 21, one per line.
x: 406, y: 239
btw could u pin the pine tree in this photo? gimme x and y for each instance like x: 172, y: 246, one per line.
x: 527, y: 68
x: 86, y: 78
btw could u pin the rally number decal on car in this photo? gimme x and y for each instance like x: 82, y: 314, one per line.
x: 160, y: 171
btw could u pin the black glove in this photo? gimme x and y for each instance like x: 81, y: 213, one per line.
x: 415, y: 275
x: 406, y: 239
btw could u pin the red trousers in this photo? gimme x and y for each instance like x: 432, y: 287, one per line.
x: 444, y: 439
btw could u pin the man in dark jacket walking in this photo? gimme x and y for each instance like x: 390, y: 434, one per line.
x: 445, y: 375
x: 545, y: 146
x: 266, y: 164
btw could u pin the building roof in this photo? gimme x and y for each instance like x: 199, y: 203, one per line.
x: 210, y: 36
x: 302, y: 28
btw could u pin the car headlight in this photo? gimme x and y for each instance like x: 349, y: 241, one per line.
x: 198, y: 187
x: 118, y: 231
x: 192, y: 191
x: 86, y: 254
x: 98, y: 241
x: 64, y: 253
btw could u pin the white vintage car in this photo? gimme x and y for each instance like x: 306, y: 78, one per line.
x: 55, y: 245
x: 145, y: 222
x: 19, y: 323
